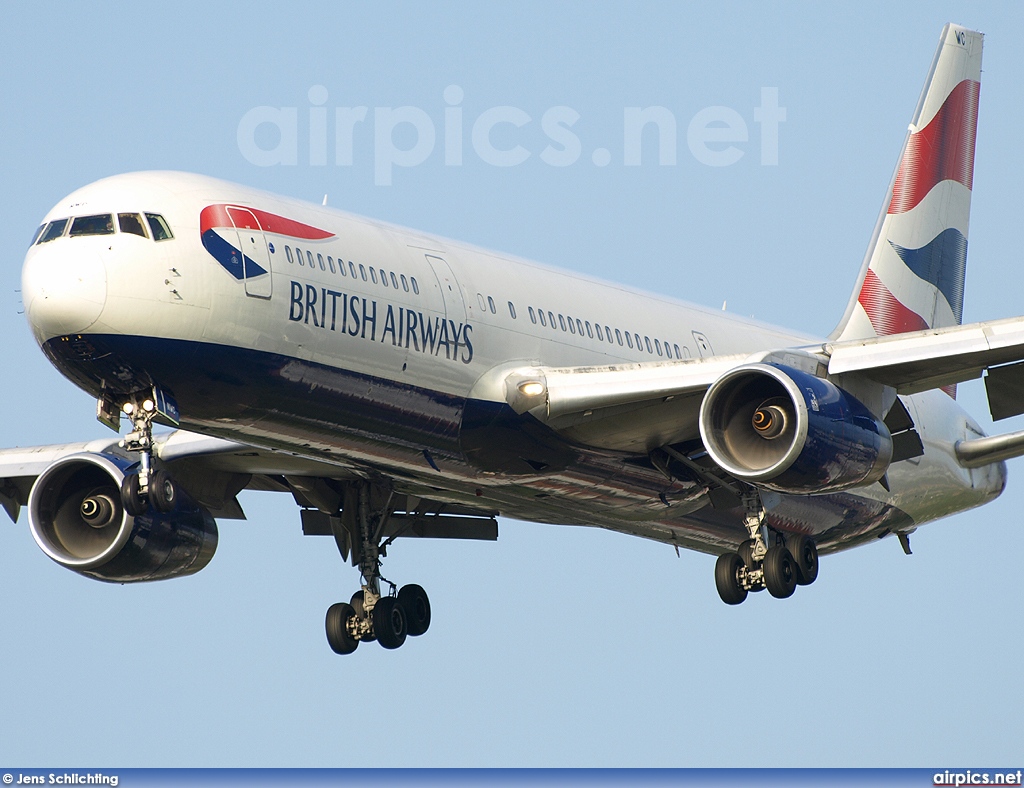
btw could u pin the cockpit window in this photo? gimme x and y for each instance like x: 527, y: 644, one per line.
x: 131, y: 223
x: 101, y: 224
x: 161, y: 232
x: 39, y: 231
x: 53, y: 230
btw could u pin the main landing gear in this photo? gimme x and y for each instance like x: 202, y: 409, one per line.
x: 371, y: 615
x: 148, y: 486
x: 756, y: 566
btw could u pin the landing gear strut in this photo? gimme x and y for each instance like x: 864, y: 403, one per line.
x: 371, y: 615
x: 780, y: 567
x: 148, y: 486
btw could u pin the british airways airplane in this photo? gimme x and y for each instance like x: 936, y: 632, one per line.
x: 397, y: 384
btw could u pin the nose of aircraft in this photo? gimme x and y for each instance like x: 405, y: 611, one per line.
x: 63, y: 293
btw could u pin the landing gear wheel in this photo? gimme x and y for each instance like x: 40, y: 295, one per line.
x: 360, y: 611
x: 805, y: 558
x: 779, y: 572
x: 389, y: 622
x: 727, y: 578
x: 162, y: 491
x: 417, y: 608
x: 338, y: 637
x: 131, y: 498
x: 746, y: 551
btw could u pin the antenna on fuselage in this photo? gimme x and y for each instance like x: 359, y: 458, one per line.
x: 325, y: 200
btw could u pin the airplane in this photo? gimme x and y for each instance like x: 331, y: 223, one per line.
x: 402, y: 385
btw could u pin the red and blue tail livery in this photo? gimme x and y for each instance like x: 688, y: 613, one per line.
x: 913, y: 273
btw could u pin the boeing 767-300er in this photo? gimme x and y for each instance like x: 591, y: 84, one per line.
x: 402, y: 385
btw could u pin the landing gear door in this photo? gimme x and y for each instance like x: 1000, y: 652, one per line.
x: 454, y: 306
x: 255, y: 254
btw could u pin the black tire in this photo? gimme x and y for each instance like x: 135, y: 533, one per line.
x: 357, y: 605
x: 417, y: 608
x: 727, y: 578
x: 779, y: 572
x: 338, y: 637
x: 163, y: 492
x: 805, y: 556
x: 389, y: 622
x: 746, y: 551
x: 131, y: 498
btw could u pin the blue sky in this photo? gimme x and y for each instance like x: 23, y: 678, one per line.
x: 554, y: 646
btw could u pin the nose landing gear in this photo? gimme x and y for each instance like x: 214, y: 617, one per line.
x: 149, y: 486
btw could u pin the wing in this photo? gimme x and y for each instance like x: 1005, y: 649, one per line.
x: 214, y: 471
x: 929, y: 359
x: 640, y: 407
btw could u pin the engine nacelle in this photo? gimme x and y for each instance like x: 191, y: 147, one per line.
x: 76, y: 517
x: 783, y: 429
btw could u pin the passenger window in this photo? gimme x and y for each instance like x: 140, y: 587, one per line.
x: 512, y: 310
x: 131, y: 223
x: 647, y: 341
x: 101, y: 224
x: 320, y: 259
x: 480, y: 300
x: 639, y: 345
x: 309, y: 259
x: 405, y: 283
x: 362, y: 272
x: 618, y: 335
x: 54, y: 230
x: 579, y: 326
x: 533, y: 315
x: 543, y: 322
x: 657, y: 346
x: 608, y: 333
x: 415, y: 287
x: 394, y: 281
x: 330, y: 263
x: 383, y: 278
x: 490, y: 303
x: 551, y: 319
x: 598, y: 327
x: 629, y: 340
x: 561, y: 321
x: 288, y: 254
x: 678, y: 354
x: 352, y: 268
x: 590, y: 333
x: 572, y: 328
x: 159, y: 228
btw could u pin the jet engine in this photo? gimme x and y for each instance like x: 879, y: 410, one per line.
x: 76, y: 517
x: 789, y: 431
